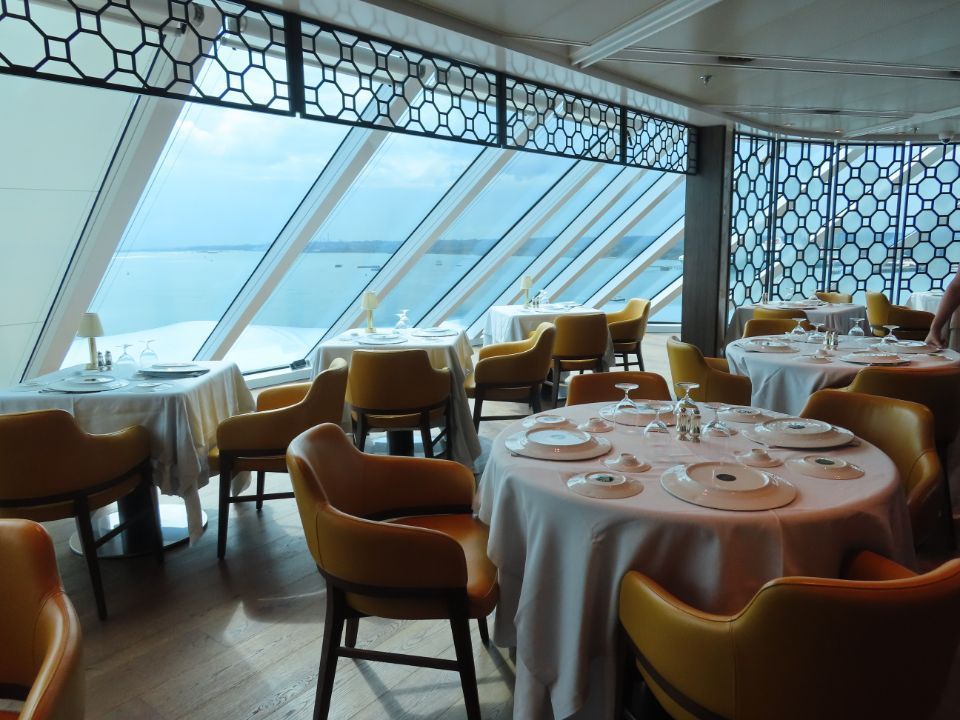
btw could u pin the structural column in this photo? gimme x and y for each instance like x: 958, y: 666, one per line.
x: 706, y: 243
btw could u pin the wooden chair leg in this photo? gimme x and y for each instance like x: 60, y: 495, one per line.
x: 459, y: 625
x: 535, y: 398
x: 332, y: 633
x: 484, y: 631
x: 477, y: 409
x: 261, y: 481
x: 362, y: 430
x: 353, y: 628
x: 556, y: 383
x: 425, y: 434
x: 224, y: 505
x: 639, y: 358
x: 450, y: 426
x: 89, y: 545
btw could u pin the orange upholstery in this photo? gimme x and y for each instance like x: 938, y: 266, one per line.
x: 398, y: 389
x: 393, y: 537
x: 40, y: 636
x: 85, y: 472
x: 598, y: 387
x: 912, y: 324
x: 258, y: 441
x: 717, y: 383
x: 878, y: 646
x: 901, y: 429
x: 580, y: 344
x: 511, y: 372
x: 627, y: 328
x: 778, y: 314
x: 834, y: 297
x: 769, y: 326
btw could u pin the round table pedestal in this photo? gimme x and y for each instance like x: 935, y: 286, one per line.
x: 137, y: 540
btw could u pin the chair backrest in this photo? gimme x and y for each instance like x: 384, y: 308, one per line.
x: 597, y: 387
x: 687, y: 364
x: 808, y: 647
x: 903, y: 430
x: 778, y: 314
x: 937, y: 388
x: 834, y: 297
x: 581, y: 335
x: 324, y: 401
x: 40, y: 635
x: 526, y: 361
x: 878, y: 309
x: 767, y: 326
x: 395, y: 380
x: 630, y: 323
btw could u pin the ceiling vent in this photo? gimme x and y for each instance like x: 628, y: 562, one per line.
x: 826, y: 111
x: 734, y: 60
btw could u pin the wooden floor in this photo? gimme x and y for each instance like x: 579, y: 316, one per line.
x: 240, y: 639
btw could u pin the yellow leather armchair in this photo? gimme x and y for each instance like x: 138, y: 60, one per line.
x: 85, y: 472
x: 511, y: 372
x: 258, y: 441
x: 597, y: 387
x: 785, y: 314
x: 834, y: 297
x: 717, y: 383
x: 627, y: 328
x: 41, y: 661
x: 580, y: 344
x: 398, y: 390
x: 904, y: 431
x: 878, y: 644
x: 912, y: 324
x: 768, y: 326
x: 392, y: 537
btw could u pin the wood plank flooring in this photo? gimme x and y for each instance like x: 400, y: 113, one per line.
x: 241, y: 639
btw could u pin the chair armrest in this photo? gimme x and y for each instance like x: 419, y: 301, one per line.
x: 726, y: 387
x: 506, y: 348
x: 866, y: 565
x: 110, y: 455
x: 507, y: 368
x: 624, y: 330
x: 907, y: 318
x: 282, y: 396
x: 720, y: 364
x: 266, y: 430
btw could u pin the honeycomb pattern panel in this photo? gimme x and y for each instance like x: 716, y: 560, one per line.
x: 863, y: 246
x: 657, y: 143
x: 749, y: 219
x: 801, y: 210
x: 220, y: 51
x: 930, y: 253
x: 559, y: 122
x: 363, y: 81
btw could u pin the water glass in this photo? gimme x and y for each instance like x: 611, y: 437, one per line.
x: 148, y: 357
x: 890, y: 338
x: 856, y: 330
x: 798, y: 332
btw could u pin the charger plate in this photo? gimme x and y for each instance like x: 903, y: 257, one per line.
x: 547, y: 421
x: 874, y: 358
x: 604, y: 485
x: 820, y: 466
x: 807, y: 434
x: 559, y: 444
x: 433, y: 332
x: 727, y: 486
x: 85, y: 384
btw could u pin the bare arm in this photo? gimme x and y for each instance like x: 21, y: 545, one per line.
x: 948, y: 305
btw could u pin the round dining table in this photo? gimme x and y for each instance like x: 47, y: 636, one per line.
x: 837, y: 317
x: 561, y: 555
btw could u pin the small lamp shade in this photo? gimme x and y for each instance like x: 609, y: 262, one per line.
x: 90, y: 326
x: 526, y: 282
x: 369, y: 301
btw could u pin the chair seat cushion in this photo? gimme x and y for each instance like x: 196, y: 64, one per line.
x: 625, y: 345
x: 580, y: 364
x: 58, y: 511
x: 402, y: 421
x: 482, y: 589
x: 271, y: 463
x: 521, y: 394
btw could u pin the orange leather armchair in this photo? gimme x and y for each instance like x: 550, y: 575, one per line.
x: 392, y: 537
x: 85, y: 472
x: 717, y: 383
x: 834, y: 297
x: 785, y: 314
x: 877, y: 644
x: 627, y: 328
x: 511, y: 372
x: 580, y: 345
x: 904, y: 431
x: 912, y: 324
x: 399, y: 390
x: 258, y: 441
x: 598, y: 387
x: 41, y: 661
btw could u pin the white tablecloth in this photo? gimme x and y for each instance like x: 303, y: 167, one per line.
x: 930, y: 302
x: 452, y: 352
x: 509, y: 323
x: 561, y: 556
x: 181, y: 416
x: 834, y: 316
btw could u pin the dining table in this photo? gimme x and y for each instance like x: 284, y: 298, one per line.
x: 446, y: 348
x: 837, y: 317
x: 561, y: 555
x: 180, y: 411
x: 929, y: 301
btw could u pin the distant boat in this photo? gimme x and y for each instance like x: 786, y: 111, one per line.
x: 368, y: 267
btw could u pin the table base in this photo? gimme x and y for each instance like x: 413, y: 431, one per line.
x: 131, y: 543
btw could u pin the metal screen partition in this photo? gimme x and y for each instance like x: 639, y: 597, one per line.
x: 852, y: 217
x: 238, y: 54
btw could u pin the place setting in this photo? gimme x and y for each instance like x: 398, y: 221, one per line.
x: 85, y: 382
x: 798, y: 433
x: 767, y: 345
x: 723, y: 485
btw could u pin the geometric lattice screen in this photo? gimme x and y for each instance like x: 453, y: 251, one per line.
x: 849, y: 217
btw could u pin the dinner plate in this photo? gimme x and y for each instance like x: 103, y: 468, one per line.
x: 768, y: 346
x: 521, y: 444
x: 178, y: 366
x: 605, y: 485
x: 835, y: 438
x: 381, y: 339
x: 85, y: 384
x: 912, y: 346
x: 795, y: 426
x: 821, y: 466
x: 727, y: 486
x: 874, y: 358
x: 433, y: 332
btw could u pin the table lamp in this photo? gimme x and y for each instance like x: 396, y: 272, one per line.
x: 526, y: 282
x: 369, y: 302
x: 91, y: 328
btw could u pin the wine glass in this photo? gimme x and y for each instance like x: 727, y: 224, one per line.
x: 856, y: 330
x: 657, y: 426
x: 148, y: 356
x: 798, y: 332
x: 890, y: 338
x: 125, y: 360
x: 686, y: 409
x: 717, y: 427
x: 402, y: 320
x: 817, y: 335
x: 626, y: 408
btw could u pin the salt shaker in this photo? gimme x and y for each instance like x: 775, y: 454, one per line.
x: 695, y: 425
x: 100, y: 363
x: 108, y: 360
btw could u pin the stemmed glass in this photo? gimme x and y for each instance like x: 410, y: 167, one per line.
x: 657, y: 426
x: 798, y: 332
x: 626, y: 408
x: 890, y: 338
x: 148, y: 357
x: 818, y: 335
x: 402, y: 320
x: 126, y: 359
x: 857, y: 329
x: 717, y: 427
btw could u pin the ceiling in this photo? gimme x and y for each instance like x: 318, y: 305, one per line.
x: 855, y: 69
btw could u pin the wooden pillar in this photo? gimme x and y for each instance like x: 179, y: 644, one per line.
x: 706, y: 242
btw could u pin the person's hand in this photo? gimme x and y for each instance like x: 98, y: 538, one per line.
x: 933, y: 338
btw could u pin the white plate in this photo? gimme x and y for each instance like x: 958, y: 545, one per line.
x: 768, y: 346
x: 837, y: 438
x: 381, y: 339
x: 625, y: 462
x: 820, y: 466
x: 912, y: 346
x: 433, y: 332
x: 88, y: 380
x: 178, y: 366
x: 85, y: 384
x: 520, y: 445
x: 873, y: 358
x: 547, y: 421
x: 761, y: 460
x: 795, y: 427
x: 559, y: 439
x: 742, y: 415
x: 644, y: 415
x: 727, y: 486
x: 604, y: 485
